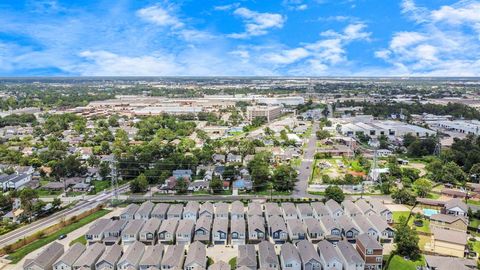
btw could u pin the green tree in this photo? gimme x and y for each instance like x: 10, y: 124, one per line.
x: 422, y: 186
x: 181, y: 186
x: 260, y: 170
x: 335, y: 193
x: 323, y: 134
x: 404, y: 196
x: 216, y: 184
x: 452, y: 173
x: 406, y: 240
x: 284, y: 178
x: 28, y: 197
x: 104, y: 170
x: 56, y: 202
x: 139, y: 184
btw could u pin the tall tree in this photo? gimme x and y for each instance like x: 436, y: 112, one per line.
x: 284, y: 178
x: 406, y: 240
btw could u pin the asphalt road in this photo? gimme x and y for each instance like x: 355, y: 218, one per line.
x: 38, y: 225
x: 305, y: 169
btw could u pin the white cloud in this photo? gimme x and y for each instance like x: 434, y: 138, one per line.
x: 287, y: 56
x: 257, y: 23
x: 227, y: 7
x: 160, y: 16
x: 468, y: 12
x: 418, y: 14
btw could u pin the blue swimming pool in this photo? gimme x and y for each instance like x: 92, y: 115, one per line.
x: 429, y: 212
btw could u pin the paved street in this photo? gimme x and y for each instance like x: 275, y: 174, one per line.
x: 305, y: 169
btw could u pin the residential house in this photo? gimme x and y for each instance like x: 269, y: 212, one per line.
x: 349, y: 229
x: 381, y: 210
x: 113, y: 232
x: 456, y: 207
x: 206, y: 210
x: 334, y: 208
x: 129, y: 212
x: 132, y: 256
x: 237, y: 210
x: 182, y: 174
x: 203, y: 226
x: 185, y: 231
x: 351, y: 260
x: 329, y: 256
x: 449, y: 222
x: 296, y: 230
x: 319, y: 210
x: 385, y: 231
x: 449, y: 263
x: 305, y: 211
x: 238, y: 232
x: 152, y: 257
x: 267, y: 258
x: 351, y: 210
x: 365, y: 208
x: 256, y: 229
x: 220, y: 231
x: 15, y: 181
x: 144, y: 210
x: 247, y: 257
x: 196, y: 257
x: 289, y: 211
x: 166, y: 233
x: 220, y: 265
x: 289, y: 257
x: 149, y: 231
x: 370, y: 250
x: 221, y: 211
x: 366, y: 226
x: 314, y: 230
x: 66, y: 261
x: 254, y: 209
x: 109, y: 258
x: 333, y: 231
x: 45, y: 259
x: 309, y: 256
x: 174, y: 257
x: 277, y: 229
x: 218, y: 158
x: 447, y: 242
x: 132, y: 231
x: 271, y: 210
x: 175, y: 211
x: 454, y: 193
x: 190, y: 211
x: 91, y: 255
x: 234, y: 158
x: 95, y: 232
x: 160, y: 211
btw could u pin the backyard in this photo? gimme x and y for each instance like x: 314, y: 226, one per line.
x: 400, y: 263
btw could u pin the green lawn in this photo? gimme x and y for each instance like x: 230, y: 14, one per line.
x: 474, y: 222
x: 425, y: 226
x: 433, y: 196
x: 80, y: 240
x: 398, y: 214
x: 48, y: 193
x: 476, y: 245
x: 101, y: 185
x: 233, y: 263
x: 474, y: 202
x: 18, y: 254
x: 399, y: 263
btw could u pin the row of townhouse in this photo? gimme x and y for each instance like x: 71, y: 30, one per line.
x: 137, y: 256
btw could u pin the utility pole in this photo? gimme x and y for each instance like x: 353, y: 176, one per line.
x: 114, y: 179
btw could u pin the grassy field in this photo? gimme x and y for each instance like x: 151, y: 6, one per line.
x: 398, y: 214
x: 399, y: 263
x: 474, y: 222
x: 474, y: 202
x: 18, y: 254
x: 425, y: 226
x: 80, y: 239
x: 48, y: 193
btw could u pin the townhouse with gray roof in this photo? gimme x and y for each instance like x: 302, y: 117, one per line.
x: 206, y: 210
x: 256, y: 229
x: 221, y: 210
x: 113, y: 232
x: 149, y: 232
x: 289, y: 211
x: 308, y: 255
x: 160, y: 211
x: 277, y: 230
x: 365, y: 226
x: 333, y: 231
x: 66, y: 261
x: 144, y: 210
x: 289, y: 257
x: 152, y: 257
x: 247, y: 257
x: 173, y: 257
x: 267, y: 258
x: 132, y: 256
x: 238, y: 232
x: 220, y: 231
x: 91, y: 255
x: 364, y: 207
x: 370, y: 250
x: 351, y: 260
x: 131, y: 232
x: 237, y: 210
x: 185, y: 231
x: 381, y: 210
x: 296, y: 230
x: 349, y: 229
x: 220, y: 265
x: 166, y: 233
x: 109, y: 258
x: 350, y: 209
x: 254, y: 209
x: 196, y: 257
x: 305, y: 211
x: 319, y: 210
x: 45, y: 259
x: 385, y: 231
x: 314, y: 230
x: 272, y: 210
x: 175, y: 211
x: 95, y: 232
x: 203, y: 227
x: 190, y: 211
x: 129, y: 212
x: 329, y: 256
x: 334, y: 208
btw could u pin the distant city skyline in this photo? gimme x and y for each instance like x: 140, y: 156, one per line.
x: 240, y: 38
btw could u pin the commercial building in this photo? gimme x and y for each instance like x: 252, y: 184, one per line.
x: 269, y: 112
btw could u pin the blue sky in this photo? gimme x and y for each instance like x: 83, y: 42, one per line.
x: 262, y: 37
